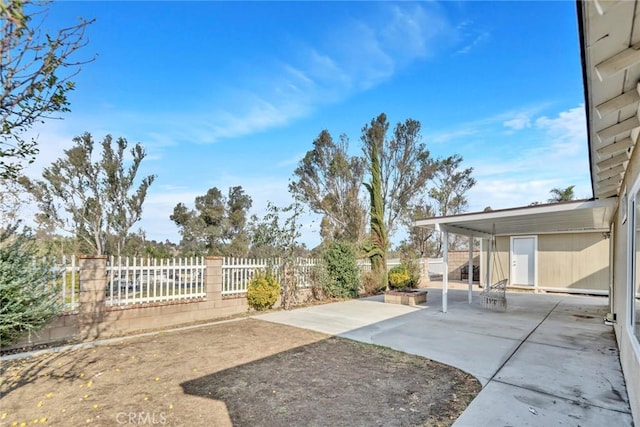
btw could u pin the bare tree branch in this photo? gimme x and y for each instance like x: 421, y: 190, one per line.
x: 36, y: 69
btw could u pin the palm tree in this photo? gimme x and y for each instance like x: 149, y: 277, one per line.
x: 562, y: 194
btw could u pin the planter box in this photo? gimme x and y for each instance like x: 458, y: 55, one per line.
x: 408, y: 297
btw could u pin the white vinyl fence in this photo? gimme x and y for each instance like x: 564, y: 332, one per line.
x: 436, y: 266
x: 66, y: 282
x: 365, y: 264
x: 238, y: 272
x: 140, y: 280
x: 144, y: 280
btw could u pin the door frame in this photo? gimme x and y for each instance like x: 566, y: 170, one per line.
x: 535, y: 260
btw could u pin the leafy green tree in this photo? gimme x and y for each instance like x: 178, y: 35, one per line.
x: 138, y: 246
x: 96, y: 201
x: 450, y: 186
x: 400, y: 168
x: 448, y: 197
x: 405, y: 165
x: 12, y: 197
x: 27, y: 298
x: 217, y: 225
x: 377, y: 251
x: 329, y: 181
x: 36, y: 68
x: 419, y: 241
x: 562, y: 194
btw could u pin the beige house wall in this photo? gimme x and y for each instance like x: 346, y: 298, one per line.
x: 575, y: 262
x: 498, y: 262
x: 621, y: 297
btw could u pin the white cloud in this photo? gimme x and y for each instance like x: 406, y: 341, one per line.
x: 289, y: 89
x: 450, y: 135
x: 519, y: 122
x: 567, y: 131
x: 516, y: 169
x: 509, y: 192
x: 291, y: 161
x: 478, y: 40
x: 520, y: 118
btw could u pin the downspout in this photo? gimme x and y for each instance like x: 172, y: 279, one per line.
x: 610, y: 318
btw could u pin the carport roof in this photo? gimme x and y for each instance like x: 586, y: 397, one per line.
x: 574, y: 216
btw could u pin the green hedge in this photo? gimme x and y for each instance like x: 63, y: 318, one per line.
x: 342, y: 276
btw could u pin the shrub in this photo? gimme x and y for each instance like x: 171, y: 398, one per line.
x: 319, y: 278
x: 372, y: 284
x: 28, y: 301
x: 263, y: 291
x: 401, y: 277
x: 342, y: 276
x: 413, y: 266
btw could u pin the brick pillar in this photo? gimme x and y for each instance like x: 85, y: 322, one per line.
x: 424, y: 274
x: 213, y: 279
x: 93, y: 283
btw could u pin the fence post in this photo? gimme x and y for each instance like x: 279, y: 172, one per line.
x: 425, y: 279
x: 93, y: 284
x: 213, y: 278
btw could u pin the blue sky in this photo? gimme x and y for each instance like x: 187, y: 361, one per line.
x: 233, y: 93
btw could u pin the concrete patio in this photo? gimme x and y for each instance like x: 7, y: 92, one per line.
x: 548, y: 360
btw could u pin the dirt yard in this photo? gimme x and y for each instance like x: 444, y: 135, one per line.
x: 243, y: 373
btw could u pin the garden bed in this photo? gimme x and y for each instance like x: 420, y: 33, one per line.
x: 406, y: 297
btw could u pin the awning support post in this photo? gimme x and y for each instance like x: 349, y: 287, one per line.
x: 470, y: 264
x: 488, y: 280
x: 445, y: 270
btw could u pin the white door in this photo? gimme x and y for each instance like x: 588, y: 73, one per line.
x: 523, y: 255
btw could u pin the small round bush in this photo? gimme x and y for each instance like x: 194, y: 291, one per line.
x: 263, y: 291
x: 400, y: 277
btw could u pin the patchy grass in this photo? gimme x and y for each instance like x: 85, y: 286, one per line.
x: 244, y: 373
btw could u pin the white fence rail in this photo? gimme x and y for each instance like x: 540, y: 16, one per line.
x: 143, y: 280
x: 140, y: 280
x: 238, y: 272
x: 66, y: 281
x: 436, y: 266
x: 365, y: 264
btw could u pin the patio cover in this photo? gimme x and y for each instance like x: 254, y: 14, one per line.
x: 573, y: 216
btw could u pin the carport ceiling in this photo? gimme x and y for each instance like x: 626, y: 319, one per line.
x: 575, y: 216
x: 610, y: 44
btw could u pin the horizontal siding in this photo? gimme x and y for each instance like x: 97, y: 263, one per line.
x: 565, y: 261
x: 575, y: 261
